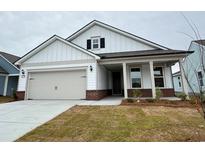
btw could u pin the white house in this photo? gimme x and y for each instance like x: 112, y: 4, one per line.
x: 193, y: 68
x: 96, y: 61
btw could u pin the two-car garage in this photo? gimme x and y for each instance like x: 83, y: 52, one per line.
x: 57, y: 85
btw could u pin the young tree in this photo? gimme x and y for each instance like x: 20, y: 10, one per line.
x: 198, y: 97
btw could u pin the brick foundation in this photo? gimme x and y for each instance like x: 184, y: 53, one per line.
x: 20, y: 95
x: 97, y: 94
x: 168, y: 92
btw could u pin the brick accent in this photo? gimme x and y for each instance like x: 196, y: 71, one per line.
x: 97, y: 94
x: 168, y: 92
x: 145, y: 92
x: 20, y: 95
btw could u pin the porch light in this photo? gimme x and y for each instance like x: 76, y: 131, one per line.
x: 91, y: 68
x: 22, y: 73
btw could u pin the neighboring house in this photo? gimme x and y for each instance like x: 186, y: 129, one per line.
x: 177, y: 82
x: 9, y: 74
x: 192, y: 65
x: 96, y: 61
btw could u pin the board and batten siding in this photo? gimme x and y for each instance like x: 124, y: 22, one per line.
x: 58, y: 51
x: 114, y: 42
x: 59, y: 55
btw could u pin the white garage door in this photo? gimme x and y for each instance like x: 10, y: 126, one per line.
x: 57, y: 85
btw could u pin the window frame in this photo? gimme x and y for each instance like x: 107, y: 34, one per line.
x: 200, y: 79
x: 95, y: 38
x: 140, y: 78
x: 163, y: 76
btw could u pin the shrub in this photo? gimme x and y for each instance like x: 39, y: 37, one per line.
x: 129, y: 100
x: 158, y: 94
x: 137, y: 93
x: 183, y: 96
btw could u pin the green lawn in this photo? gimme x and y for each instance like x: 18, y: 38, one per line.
x: 122, y: 123
x: 5, y: 99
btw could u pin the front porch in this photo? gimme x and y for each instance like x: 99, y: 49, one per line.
x: 122, y: 78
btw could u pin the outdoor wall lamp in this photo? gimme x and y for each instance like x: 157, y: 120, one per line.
x: 91, y: 68
x: 22, y: 73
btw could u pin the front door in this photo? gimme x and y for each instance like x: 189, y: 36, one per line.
x: 116, y: 83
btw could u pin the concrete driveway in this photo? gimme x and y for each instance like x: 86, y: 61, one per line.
x: 18, y: 118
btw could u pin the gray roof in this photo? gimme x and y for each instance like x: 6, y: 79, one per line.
x: 142, y: 53
x: 178, y: 73
x: 2, y: 71
x: 11, y: 58
x: 202, y: 42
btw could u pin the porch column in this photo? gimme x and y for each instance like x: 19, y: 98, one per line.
x: 183, y: 78
x: 5, y: 85
x: 125, y: 79
x: 152, y: 79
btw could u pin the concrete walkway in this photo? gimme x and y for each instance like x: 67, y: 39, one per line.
x: 18, y: 118
x: 106, y: 101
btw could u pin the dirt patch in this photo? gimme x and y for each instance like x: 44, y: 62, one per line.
x: 165, y: 103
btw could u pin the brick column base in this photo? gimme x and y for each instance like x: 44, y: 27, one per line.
x: 20, y: 95
x: 97, y: 94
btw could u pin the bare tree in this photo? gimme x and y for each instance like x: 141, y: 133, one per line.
x: 197, y: 97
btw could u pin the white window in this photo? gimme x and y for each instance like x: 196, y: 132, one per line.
x: 95, y: 43
x: 158, y: 77
x: 135, y: 74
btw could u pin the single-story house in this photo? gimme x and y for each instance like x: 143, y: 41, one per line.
x: 9, y: 74
x: 177, y: 82
x: 96, y: 61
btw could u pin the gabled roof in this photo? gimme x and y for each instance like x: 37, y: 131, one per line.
x: 142, y: 53
x: 201, y: 42
x: 95, y: 22
x: 11, y: 58
x: 48, y: 42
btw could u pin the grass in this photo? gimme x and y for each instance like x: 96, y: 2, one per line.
x: 122, y: 123
x: 6, y: 99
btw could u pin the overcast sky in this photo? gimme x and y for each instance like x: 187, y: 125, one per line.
x: 22, y: 31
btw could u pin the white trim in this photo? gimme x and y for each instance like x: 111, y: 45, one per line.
x: 152, y: 79
x: 48, y: 42
x: 115, y: 30
x: 13, y: 75
x: 5, y: 85
x: 125, y: 79
x: 9, y: 62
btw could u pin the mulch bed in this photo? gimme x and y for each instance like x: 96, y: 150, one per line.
x: 166, y: 103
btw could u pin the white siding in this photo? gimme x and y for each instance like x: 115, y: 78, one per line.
x: 102, y: 78
x: 114, y: 42
x: 91, y: 76
x: 168, y: 77
x: 58, y: 51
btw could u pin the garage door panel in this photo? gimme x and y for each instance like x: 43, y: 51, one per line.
x: 57, y: 85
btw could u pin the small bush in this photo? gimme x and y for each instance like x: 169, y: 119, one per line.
x: 137, y: 93
x: 183, y: 96
x: 129, y: 100
x: 158, y: 94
